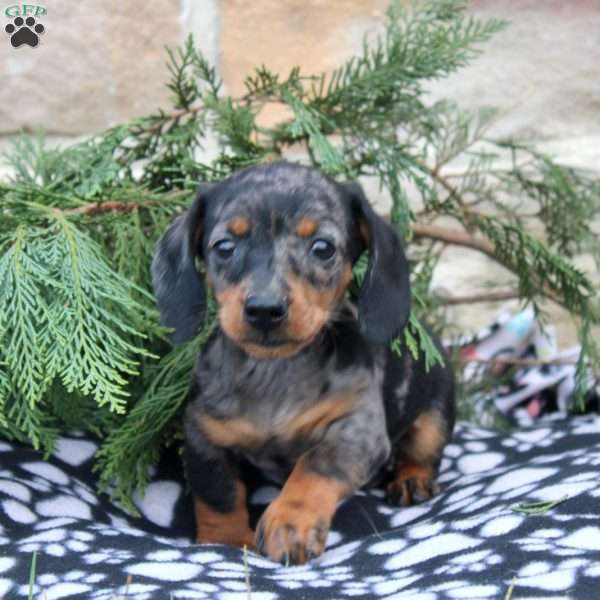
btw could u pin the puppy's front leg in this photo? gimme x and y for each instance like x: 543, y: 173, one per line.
x: 219, y: 494
x: 294, y: 527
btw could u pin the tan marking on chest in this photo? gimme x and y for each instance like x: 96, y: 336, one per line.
x: 244, y: 433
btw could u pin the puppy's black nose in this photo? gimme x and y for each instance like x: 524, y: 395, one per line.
x: 265, y: 312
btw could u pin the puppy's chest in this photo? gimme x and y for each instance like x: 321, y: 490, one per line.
x: 274, y: 441
x: 275, y: 444
x: 288, y: 423
x: 273, y: 412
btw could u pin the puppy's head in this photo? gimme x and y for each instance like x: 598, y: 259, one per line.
x: 278, y: 242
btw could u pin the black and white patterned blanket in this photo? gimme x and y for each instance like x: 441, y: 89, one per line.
x: 466, y: 543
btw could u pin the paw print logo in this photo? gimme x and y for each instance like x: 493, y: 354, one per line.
x: 24, y: 31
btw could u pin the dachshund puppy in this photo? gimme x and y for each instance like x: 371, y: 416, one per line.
x: 298, y: 379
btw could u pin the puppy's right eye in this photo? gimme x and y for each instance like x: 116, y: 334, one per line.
x: 322, y: 249
x: 224, y: 248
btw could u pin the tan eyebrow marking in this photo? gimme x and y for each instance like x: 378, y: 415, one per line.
x: 239, y: 225
x: 306, y: 227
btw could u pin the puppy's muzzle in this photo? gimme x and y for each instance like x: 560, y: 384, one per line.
x: 265, y: 312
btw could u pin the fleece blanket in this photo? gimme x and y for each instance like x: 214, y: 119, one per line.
x: 518, y: 517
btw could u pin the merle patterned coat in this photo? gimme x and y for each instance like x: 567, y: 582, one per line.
x: 297, y: 379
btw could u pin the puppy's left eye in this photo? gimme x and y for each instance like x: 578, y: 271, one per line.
x: 224, y: 248
x: 322, y: 249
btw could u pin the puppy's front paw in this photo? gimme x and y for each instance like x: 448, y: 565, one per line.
x: 412, y: 484
x: 291, y: 532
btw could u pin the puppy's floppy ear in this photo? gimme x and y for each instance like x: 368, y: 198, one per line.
x: 178, y: 287
x: 384, y: 298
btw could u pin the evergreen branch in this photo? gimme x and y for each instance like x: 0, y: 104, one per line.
x: 504, y: 252
x: 104, y: 206
x: 95, y: 358
x: 589, y: 356
x: 4, y: 393
x: 32, y: 424
x: 156, y: 126
x: 96, y: 208
x: 23, y: 315
x: 568, y: 198
x: 546, y: 273
x: 417, y: 339
x: 308, y: 123
x: 550, y: 289
x: 454, y: 237
x: 431, y: 41
x: 498, y: 296
x: 131, y: 449
x: 79, y: 336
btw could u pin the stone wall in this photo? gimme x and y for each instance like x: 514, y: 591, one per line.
x: 99, y: 63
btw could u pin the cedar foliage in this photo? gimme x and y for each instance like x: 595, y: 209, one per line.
x: 80, y: 342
